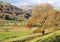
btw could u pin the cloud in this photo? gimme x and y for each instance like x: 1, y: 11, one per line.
x: 32, y: 2
x: 20, y: 4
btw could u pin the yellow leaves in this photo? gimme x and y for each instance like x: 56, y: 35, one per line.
x: 45, y: 15
x: 53, y: 28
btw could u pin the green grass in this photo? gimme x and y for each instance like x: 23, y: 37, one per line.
x: 51, y: 37
x: 9, y: 34
x: 48, y: 37
x: 15, y: 21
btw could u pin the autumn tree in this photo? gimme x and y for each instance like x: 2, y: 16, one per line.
x: 45, y: 16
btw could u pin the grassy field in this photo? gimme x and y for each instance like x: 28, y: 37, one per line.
x: 15, y: 33
x: 9, y: 34
x: 27, y: 36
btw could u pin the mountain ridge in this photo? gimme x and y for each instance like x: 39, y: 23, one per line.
x: 11, y: 12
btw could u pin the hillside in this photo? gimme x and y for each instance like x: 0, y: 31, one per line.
x: 11, y: 12
x: 49, y: 37
x: 41, y: 18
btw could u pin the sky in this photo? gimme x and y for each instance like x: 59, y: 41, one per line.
x: 55, y: 3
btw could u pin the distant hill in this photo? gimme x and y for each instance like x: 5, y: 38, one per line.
x: 25, y: 7
x: 10, y: 12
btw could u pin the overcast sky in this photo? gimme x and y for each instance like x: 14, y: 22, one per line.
x: 56, y: 3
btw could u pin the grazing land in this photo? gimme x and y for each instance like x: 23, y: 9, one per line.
x: 36, y: 23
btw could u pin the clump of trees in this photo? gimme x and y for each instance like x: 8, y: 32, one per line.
x: 45, y: 16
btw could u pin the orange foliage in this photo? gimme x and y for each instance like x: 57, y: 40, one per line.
x: 45, y: 15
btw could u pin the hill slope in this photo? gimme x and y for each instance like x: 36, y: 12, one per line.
x: 51, y: 37
x: 10, y: 12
